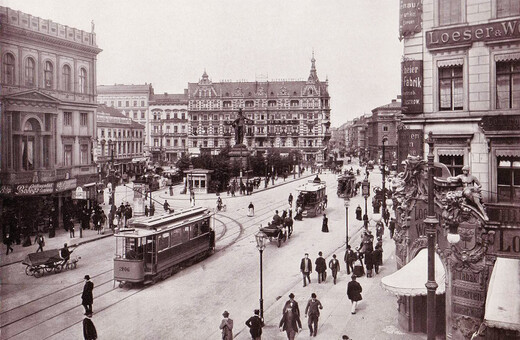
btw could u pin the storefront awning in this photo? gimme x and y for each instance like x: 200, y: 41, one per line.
x: 411, y: 278
x: 508, y: 153
x: 450, y: 152
x: 139, y: 159
x: 502, y: 307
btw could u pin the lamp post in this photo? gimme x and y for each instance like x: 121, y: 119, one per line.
x: 260, y: 244
x: 383, y: 210
x: 431, y: 224
x: 365, y: 188
x: 347, y: 202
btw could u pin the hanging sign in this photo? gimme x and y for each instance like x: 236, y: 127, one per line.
x: 410, y: 12
x: 411, y: 86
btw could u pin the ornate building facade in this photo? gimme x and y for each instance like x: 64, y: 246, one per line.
x: 284, y: 115
x: 48, y: 112
x: 120, y: 142
x: 132, y: 100
x: 168, y: 127
x: 383, y: 123
x: 459, y: 71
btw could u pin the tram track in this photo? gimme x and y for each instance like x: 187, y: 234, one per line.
x: 23, y: 320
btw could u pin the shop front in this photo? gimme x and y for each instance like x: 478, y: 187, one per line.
x: 197, y: 180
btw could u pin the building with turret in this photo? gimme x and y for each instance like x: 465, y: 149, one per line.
x: 285, y: 115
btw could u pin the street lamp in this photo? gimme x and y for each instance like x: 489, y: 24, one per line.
x: 431, y: 224
x: 383, y: 213
x: 347, y: 202
x: 365, y: 188
x: 260, y: 244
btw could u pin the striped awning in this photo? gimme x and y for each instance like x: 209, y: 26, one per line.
x: 502, y: 307
x: 450, y: 62
x: 508, y: 153
x: 507, y: 57
x: 450, y: 152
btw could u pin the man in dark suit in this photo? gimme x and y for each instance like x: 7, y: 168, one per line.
x: 255, y: 325
x: 306, y: 269
x: 89, y: 330
x: 313, y: 312
x: 321, y: 267
x: 290, y: 321
x: 86, y: 297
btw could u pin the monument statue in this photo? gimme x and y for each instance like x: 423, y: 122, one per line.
x: 471, y: 189
x: 239, y: 125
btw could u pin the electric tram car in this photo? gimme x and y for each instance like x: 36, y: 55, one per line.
x: 153, y: 248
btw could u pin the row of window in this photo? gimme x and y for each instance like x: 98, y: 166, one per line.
x: 157, y: 129
x: 84, y: 158
x: 181, y: 235
x: 125, y: 133
x: 121, y: 148
x: 452, y: 11
x: 259, y: 130
x: 227, y: 104
x: 156, y: 142
x: 68, y: 121
x: 158, y: 115
x: 222, y: 143
x: 30, y: 74
x: 451, y: 86
x: 120, y: 103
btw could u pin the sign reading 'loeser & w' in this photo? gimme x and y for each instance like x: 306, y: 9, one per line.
x: 466, y: 35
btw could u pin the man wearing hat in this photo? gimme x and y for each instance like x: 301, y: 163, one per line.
x: 306, y: 269
x: 354, y: 293
x: 89, y: 330
x: 226, y: 325
x: 255, y: 325
x: 86, y: 297
x: 290, y: 322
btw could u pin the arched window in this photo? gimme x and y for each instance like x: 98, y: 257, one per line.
x: 9, y: 69
x: 30, y: 72
x: 82, y: 81
x: 48, y: 75
x: 67, y: 83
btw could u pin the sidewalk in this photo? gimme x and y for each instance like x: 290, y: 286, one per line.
x: 376, y: 316
x: 61, y: 237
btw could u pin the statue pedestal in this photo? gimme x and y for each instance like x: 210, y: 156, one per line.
x: 239, y: 153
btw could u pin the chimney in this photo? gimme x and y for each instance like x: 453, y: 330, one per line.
x: 165, y: 93
x: 394, y: 100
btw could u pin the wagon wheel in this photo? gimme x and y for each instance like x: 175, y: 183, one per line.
x: 280, y: 238
x: 29, y: 271
x: 48, y: 269
x: 38, y: 272
x: 285, y: 236
x: 58, y: 268
x: 318, y: 210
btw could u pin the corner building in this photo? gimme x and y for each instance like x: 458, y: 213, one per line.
x: 47, y: 118
x: 287, y: 115
x: 460, y: 81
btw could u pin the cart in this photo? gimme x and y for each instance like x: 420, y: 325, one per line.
x: 276, y: 233
x: 47, y: 261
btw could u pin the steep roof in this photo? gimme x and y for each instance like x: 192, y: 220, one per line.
x: 110, y: 116
x: 394, y: 105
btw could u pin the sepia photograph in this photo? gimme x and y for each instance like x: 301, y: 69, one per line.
x: 246, y: 169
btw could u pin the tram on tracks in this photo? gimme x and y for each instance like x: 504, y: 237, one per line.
x: 153, y: 248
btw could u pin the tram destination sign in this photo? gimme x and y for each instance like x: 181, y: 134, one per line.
x: 466, y: 35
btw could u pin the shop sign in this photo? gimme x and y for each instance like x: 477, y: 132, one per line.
x: 411, y: 142
x: 79, y: 194
x: 500, y: 123
x: 507, y: 242
x: 493, y: 31
x: 409, y: 17
x: 34, y: 189
x: 6, y: 189
x: 68, y: 184
x: 411, y: 86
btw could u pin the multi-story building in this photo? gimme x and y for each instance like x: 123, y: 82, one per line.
x: 285, y: 115
x: 168, y: 127
x: 383, y: 124
x: 120, y: 142
x: 459, y: 82
x: 48, y: 114
x: 358, y: 142
x: 132, y: 100
x: 337, y: 143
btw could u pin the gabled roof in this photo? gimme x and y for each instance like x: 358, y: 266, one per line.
x: 33, y: 95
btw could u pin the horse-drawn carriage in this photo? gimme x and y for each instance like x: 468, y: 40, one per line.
x: 280, y: 229
x: 48, y: 261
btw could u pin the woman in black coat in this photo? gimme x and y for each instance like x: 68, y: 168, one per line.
x: 369, y: 263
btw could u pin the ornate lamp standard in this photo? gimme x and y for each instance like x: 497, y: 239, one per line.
x: 365, y: 188
x: 347, y: 203
x: 383, y: 211
x: 260, y: 244
x: 431, y: 224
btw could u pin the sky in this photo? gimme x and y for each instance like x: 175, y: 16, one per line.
x: 171, y: 42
